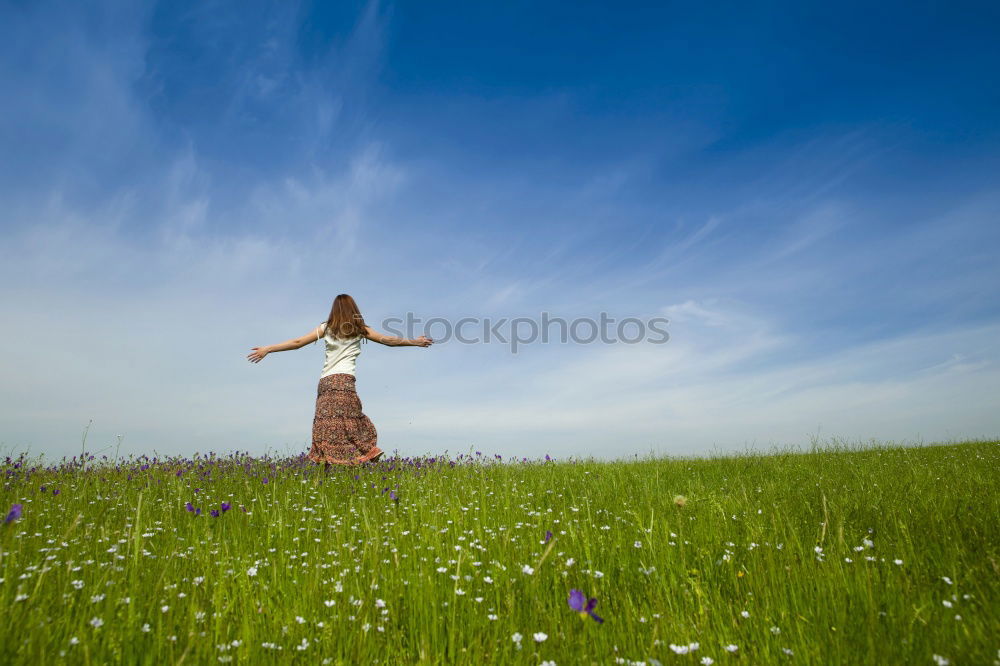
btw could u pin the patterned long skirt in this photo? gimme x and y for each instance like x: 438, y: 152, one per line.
x: 342, y: 434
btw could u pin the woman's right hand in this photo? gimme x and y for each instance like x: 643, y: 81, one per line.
x: 423, y: 341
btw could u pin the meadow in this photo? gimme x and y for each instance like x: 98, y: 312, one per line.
x: 835, y: 554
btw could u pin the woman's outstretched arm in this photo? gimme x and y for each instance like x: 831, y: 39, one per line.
x: 395, y: 341
x: 259, y: 353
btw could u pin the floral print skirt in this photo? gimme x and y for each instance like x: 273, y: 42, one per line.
x: 342, y: 434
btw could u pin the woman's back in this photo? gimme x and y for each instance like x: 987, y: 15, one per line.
x: 341, y: 353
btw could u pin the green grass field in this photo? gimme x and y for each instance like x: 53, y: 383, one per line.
x: 837, y: 555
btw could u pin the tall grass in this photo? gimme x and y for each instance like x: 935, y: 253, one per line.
x: 875, y: 555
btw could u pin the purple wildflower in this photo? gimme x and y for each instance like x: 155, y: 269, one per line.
x: 226, y: 506
x: 197, y: 511
x: 189, y: 506
x: 548, y: 536
x: 215, y: 513
x: 55, y: 491
x: 15, y: 513
x: 392, y: 496
x: 42, y: 489
x: 197, y: 490
x: 579, y: 602
x: 265, y: 480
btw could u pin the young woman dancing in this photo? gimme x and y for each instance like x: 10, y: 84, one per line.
x: 342, y: 434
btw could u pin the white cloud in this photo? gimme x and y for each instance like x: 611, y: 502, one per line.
x: 695, y: 392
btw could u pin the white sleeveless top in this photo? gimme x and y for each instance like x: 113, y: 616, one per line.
x: 340, y: 353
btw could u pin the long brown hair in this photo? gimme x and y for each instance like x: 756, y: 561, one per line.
x: 345, y: 320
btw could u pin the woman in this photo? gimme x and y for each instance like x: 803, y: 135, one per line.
x: 342, y: 434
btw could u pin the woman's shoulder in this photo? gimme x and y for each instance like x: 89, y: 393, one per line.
x: 338, y: 341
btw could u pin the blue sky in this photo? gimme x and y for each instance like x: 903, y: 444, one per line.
x: 809, y: 192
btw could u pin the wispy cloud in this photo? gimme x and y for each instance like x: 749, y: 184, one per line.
x: 718, y: 383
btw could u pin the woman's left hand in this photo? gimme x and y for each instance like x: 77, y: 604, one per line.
x: 257, y: 355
